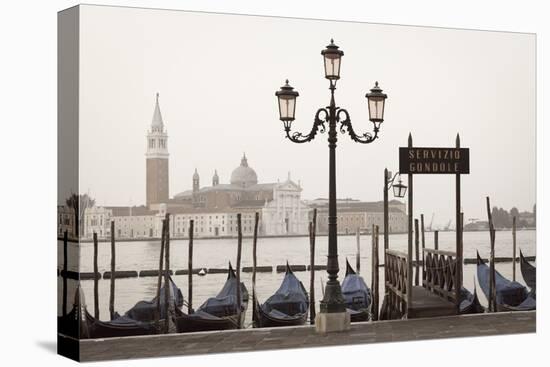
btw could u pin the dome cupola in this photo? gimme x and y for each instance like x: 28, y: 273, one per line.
x: 244, y: 175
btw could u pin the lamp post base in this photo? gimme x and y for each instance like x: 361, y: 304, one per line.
x: 332, y: 322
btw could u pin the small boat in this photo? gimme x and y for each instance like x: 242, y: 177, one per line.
x: 75, y: 323
x: 528, y: 271
x: 357, y: 295
x: 509, y: 294
x: 217, y: 313
x: 145, y: 311
x: 288, y: 306
x: 469, y: 303
x: 79, y: 323
x: 120, y: 326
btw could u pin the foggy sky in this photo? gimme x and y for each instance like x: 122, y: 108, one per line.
x: 217, y: 74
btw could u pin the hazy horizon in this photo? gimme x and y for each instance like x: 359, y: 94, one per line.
x: 217, y: 80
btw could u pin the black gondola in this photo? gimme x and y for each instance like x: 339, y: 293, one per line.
x: 139, y: 320
x: 509, y: 294
x: 528, y: 271
x: 288, y: 306
x: 75, y: 323
x: 469, y: 303
x: 357, y: 295
x: 217, y: 313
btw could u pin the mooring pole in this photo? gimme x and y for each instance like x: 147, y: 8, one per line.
x: 461, y: 248
x: 312, y: 230
x: 423, y: 243
x: 492, y: 290
x: 386, y: 229
x: 410, y: 237
x: 436, y: 240
x: 64, y: 273
x: 167, y: 284
x: 190, y: 268
x: 458, y: 276
x: 160, y: 274
x: 239, y: 246
x: 358, y: 251
x: 254, y: 262
x: 514, y: 248
x: 113, y: 276
x: 375, y: 279
x: 96, y: 280
x: 416, y: 253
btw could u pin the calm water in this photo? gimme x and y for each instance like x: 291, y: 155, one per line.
x: 271, y: 251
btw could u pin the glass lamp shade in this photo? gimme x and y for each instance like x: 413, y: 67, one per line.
x: 287, y: 102
x: 332, y: 57
x: 399, y: 190
x: 376, y: 101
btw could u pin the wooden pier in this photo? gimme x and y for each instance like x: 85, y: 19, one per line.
x: 302, y: 336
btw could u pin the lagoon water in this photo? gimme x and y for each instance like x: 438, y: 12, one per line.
x: 215, y: 253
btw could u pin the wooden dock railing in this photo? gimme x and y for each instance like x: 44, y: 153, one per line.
x: 439, y: 273
x: 397, y: 269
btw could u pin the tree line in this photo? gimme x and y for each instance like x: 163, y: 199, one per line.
x: 503, y: 219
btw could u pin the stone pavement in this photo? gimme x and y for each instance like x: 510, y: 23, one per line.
x: 305, y: 336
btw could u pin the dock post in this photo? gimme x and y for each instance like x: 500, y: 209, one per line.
x: 386, y: 227
x: 436, y: 240
x: 190, y: 269
x: 312, y: 230
x: 358, y: 251
x: 254, y: 263
x: 239, y: 246
x: 461, y: 260
x: 514, y: 248
x: 113, y: 262
x: 458, y: 277
x: 492, y: 288
x: 96, y: 280
x: 375, y: 270
x: 410, y: 236
x: 167, y: 284
x: 160, y: 274
x: 64, y: 273
x: 423, y: 239
x: 416, y: 253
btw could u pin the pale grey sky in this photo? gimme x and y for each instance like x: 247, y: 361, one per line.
x: 217, y: 74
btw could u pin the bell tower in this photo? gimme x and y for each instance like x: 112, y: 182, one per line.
x: 196, y: 181
x: 215, y: 178
x: 157, y: 190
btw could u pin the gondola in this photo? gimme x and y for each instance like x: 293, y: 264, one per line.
x: 74, y: 323
x: 528, y: 271
x: 217, y: 313
x: 509, y: 294
x: 357, y: 295
x: 469, y: 303
x: 139, y: 320
x: 288, y: 306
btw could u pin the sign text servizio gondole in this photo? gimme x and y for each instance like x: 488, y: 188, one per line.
x: 434, y: 160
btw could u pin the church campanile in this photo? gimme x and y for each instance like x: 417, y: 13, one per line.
x: 157, y: 160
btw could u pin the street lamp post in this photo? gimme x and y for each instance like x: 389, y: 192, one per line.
x: 332, y: 316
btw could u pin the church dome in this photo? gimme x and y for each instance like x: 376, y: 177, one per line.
x: 244, y: 175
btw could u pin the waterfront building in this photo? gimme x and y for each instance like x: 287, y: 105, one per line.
x: 279, y: 204
x: 65, y: 221
x: 356, y: 215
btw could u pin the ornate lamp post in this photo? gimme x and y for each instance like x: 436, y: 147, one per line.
x: 333, y: 316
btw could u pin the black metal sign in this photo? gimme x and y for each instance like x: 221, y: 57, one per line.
x: 418, y: 160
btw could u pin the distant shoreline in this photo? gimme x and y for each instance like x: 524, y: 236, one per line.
x: 262, y: 237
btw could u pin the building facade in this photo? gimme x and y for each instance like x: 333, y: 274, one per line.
x: 354, y: 215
